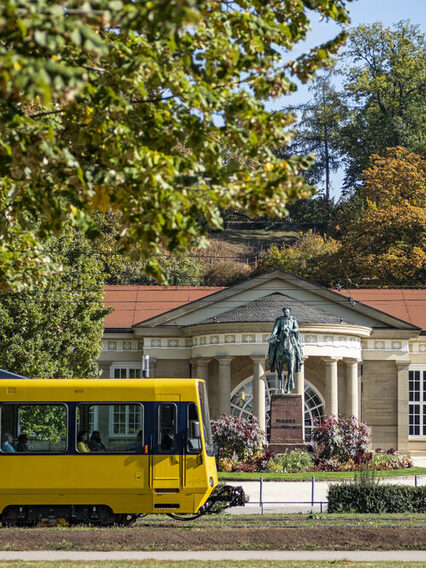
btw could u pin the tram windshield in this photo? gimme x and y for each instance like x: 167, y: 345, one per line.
x: 205, y: 415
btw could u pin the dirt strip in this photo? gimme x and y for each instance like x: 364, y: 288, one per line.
x: 213, y: 538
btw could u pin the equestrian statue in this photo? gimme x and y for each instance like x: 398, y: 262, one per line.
x: 285, y: 348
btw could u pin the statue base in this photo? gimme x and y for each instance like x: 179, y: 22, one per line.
x: 286, y: 420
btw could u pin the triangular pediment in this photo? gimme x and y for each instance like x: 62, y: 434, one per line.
x: 262, y: 299
x: 269, y: 307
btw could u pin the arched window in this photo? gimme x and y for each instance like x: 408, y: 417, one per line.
x: 242, y: 401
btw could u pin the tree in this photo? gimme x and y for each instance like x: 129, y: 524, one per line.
x: 381, y: 105
x: 129, y: 106
x: 384, y: 93
x: 178, y: 270
x: 309, y: 257
x: 317, y: 133
x: 55, y: 330
x: 386, y: 240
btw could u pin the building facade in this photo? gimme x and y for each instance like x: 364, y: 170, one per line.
x: 358, y: 360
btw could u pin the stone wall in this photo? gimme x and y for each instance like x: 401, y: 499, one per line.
x: 379, y: 402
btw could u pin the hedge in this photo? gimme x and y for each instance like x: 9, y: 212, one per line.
x: 353, y: 498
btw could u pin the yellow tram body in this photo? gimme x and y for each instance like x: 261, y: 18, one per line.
x: 148, y: 479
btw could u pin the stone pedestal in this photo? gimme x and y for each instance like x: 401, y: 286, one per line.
x: 287, y: 417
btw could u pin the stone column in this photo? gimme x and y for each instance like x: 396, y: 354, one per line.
x: 224, y: 385
x: 193, y: 367
x: 152, y: 367
x: 300, y: 389
x: 259, y: 388
x: 352, y: 388
x: 402, y: 405
x: 201, y: 370
x: 331, y: 388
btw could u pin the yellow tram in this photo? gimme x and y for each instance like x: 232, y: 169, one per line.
x: 104, y: 450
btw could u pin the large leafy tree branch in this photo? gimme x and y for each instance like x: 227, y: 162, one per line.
x: 128, y: 105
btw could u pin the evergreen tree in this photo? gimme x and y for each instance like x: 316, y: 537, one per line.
x: 317, y: 133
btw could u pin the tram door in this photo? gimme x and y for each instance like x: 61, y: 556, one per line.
x: 167, y: 463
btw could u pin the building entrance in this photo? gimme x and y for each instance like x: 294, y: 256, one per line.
x: 242, y: 401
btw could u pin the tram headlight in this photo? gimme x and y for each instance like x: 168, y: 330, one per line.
x: 211, y: 481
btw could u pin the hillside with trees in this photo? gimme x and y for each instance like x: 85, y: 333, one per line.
x: 373, y: 127
x: 372, y: 100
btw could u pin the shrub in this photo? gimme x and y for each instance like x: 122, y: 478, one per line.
x: 382, y: 460
x: 374, y: 498
x: 262, y: 459
x: 237, y: 438
x: 340, y: 439
x: 226, y: 273
x: 290, y: 462
x: 309, y: 257
x: 258, y: 462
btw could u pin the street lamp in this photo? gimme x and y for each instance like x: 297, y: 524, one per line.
x: 145, y: 366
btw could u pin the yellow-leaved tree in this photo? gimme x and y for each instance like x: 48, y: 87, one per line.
x: 387, y: 240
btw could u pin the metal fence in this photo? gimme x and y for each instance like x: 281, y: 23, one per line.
x: 312, y: 502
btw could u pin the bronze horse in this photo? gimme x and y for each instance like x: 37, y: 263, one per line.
x: 282, y: 351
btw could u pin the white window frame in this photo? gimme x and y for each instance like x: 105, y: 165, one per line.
x: 111, y: 432
x: 126, y: 367
x: 421, y: 370
x: 95, y: 424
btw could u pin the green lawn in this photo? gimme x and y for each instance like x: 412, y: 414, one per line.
x: 307, y: 476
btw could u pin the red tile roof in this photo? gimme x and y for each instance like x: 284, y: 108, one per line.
x: 408, y: 305
x: 133, y: 304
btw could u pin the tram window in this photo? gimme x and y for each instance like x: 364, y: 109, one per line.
x: 205, y: 415
x: 193, y: 435
x: 33, y: 428
x: 109, y: 428
x: 167, y: 427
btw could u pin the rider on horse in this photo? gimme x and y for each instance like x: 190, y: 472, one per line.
x: 284, y: 345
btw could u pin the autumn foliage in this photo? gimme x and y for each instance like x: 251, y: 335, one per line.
x: 387, y: 240
x: 308, y: 257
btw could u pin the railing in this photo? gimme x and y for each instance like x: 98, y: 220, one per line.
x: 312, y: 502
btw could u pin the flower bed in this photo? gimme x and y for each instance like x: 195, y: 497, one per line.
x: 338, y: 444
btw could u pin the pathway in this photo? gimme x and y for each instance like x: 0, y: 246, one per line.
x: 299, y: 495
x: 244, y: 555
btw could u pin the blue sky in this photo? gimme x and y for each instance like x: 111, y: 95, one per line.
x: 388, y: 12
x: 368, y: 11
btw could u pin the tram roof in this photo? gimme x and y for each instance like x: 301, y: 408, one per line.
x: 8, y: 375
x: 102, y: 390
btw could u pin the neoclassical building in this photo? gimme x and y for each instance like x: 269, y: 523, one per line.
x: 364, y: 350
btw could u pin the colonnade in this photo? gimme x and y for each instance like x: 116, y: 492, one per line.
x: 332, y: 387
x: 351, y: 377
